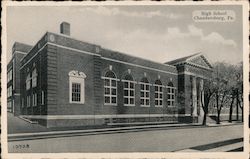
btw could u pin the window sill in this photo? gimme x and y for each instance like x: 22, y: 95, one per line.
x: 171, y: 106
x: 110, y: 104
x: 76, y: 102
x: 145, y: 106
x: 159, y: 106
x: 128, y: 105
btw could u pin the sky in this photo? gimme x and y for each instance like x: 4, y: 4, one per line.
x: 159, y: 33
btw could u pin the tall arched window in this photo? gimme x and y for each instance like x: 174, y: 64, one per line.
x: 28, y: 81
x: 158, y: 93
x: 144, y: 85
x: 171, y: 94
x: 129, y: 90
x: 77, y: 87
x: 34, y: 78
x: 110, y: 88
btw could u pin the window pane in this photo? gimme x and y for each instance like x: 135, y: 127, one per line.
x: 156, y: 102
x: 147, y: 87
x: 125, y: 92
x: 142, y: 94
x: 106, y: 82
x: 131, y: 93
x: 76, y: 92
x: 125, y: 84
x: 113, y: 100
x: 168, y: 102
x: 125, y: 100
x: 160, y: 102
x: 147, y: 94
x: 142, y: 87
x: 107, y: 90
x: 172, y: 96
x: 161, y: 96
x: 113, y: 83
x: 156, y: 88
x: 132, y: 101
x: 156, y: 95
x: 132, y: 85
x: 168, y: 96
x: 147, y: 101
x: 113, y: 91
x: 160, y: 89
x: 142, y: 101
x: 107, y: 99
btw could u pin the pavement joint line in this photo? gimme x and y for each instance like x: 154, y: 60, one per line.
x: 42, y: 135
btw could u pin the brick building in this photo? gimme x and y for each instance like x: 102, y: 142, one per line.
x: 61, y: 81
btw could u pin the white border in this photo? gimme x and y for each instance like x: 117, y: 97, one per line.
x: 127, y: 155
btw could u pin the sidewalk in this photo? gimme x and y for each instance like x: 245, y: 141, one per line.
x: 67, y: 133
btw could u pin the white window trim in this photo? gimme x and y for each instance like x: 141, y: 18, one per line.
x: 159, y: 93
x: 110, y: 95
x: 145, y: 92
x: 171, y: 100
x: 129, y: 89
x: 77, y: 77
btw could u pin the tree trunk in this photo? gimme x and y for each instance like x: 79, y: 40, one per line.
x: 237, y: 106
x: 231, y: 110
x: 218, y: 118
x: 204, y: 122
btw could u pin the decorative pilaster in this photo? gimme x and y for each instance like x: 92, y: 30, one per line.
x: 194, y: 95
x: 201, y: 97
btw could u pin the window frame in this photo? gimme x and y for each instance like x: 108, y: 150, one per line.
x: 28, y: 79
x: 77, y: 77
x: 145, y: 91
x: 34, y: 78
x: 171, y: 93
x: 159, y: 94
x: 129, y: 89
x: 110, y: 87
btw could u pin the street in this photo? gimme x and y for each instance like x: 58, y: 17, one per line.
x: 142, y: 141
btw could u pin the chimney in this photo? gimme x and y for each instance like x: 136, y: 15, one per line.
x: 65, y: 28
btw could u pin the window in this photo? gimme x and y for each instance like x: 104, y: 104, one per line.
x: 171, y: 94
x: 110, y: 88
x: 28, y: 101
x: 11, y: 74
x: 77, y: 87
x: 28, y: 82
x: 76, y: 92
x: 129, y: 90
x: 144, y: 84
x: 42, y: 98
x: 34, y: 78
x: 22, y: 102
x: 158, y: 94
x: 34, y: 99
x: 10, y: 90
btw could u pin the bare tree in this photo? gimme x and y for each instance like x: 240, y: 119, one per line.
x: 208, y: 93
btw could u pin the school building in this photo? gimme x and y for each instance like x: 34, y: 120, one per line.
x: 61, y: 81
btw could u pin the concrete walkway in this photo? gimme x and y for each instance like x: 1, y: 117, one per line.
x: 19, y: 129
